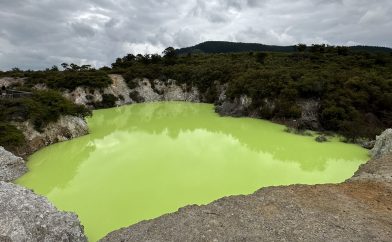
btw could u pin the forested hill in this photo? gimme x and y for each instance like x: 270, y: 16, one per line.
x: 231, y: 47
x: 228, y: 47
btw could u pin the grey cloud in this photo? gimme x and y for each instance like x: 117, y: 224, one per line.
x: 36, y: 34
x: 83, y: 30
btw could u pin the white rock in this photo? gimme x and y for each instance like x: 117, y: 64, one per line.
x: 119, y: 89
x: 383, y: 145
x: 25, y: 216
x: 66, y: 128
x: 11, y: 166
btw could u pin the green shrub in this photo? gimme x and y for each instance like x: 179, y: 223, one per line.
x: 108, y: 101
x: 47, y: 106
x: 70, y: 79
x: 41, y: 108
x: 10, y: 137
x: 134, y: 95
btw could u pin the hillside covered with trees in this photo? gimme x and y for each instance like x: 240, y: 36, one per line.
x: 354, y: 88
x: 216, y: 47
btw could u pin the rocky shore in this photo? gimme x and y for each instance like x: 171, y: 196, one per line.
x: 25, y: 216
x: 11, y: 166
x: 383, y: 144
x: 66, y: 128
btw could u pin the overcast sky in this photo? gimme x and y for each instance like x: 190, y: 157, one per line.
x: 37, y: 34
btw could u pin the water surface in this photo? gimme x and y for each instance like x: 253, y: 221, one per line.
x: 145, y: 160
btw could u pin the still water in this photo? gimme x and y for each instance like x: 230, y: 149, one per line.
x: 142, y: 161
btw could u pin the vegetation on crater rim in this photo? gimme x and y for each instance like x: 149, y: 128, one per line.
x: 354, y: 88
x: 40, y: 109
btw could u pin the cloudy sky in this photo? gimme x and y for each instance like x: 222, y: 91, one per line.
x: 36, y: 34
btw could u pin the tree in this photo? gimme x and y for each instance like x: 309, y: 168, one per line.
x: 317, y: 48
x: 74, y: 67
x: 301, y: 47
x: 129, y: 57
x: 118, y: 63
x: 170, y: 56
x: 146, y: 59
x: 139, y: 57
x: 15, y: 69
x: 155, y: 58
x: 169, y: 52
x: 105, y: 68
x: 54, y: 68
x: 65, y: 66
x: 85, y: 67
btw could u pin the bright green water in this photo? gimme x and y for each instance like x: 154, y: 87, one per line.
x: 145, y: 160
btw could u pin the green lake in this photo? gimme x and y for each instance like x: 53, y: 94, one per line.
x: 145, y: 160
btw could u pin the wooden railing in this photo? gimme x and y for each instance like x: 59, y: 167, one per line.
x: 14, y: 94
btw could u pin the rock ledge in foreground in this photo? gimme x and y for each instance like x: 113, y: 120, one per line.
x: 25, y: 216
x: 11, y: 166
x: 383, y: 145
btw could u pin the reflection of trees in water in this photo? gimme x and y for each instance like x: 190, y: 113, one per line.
x: 62, y: 172
x: 174, y: 118
x: 153, y: 118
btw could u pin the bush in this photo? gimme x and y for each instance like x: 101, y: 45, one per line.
x: 70, y: 79
x: 287, y: 109
x: 136, y: 97
x: 41, y: 108
x: 10, y: 137
x: 47, y: 106
x: 108, y: 101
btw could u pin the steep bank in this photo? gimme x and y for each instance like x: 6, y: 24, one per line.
x: 157, y: 90
x: 144, y: 90
x: 89, y: 96
x: 359, y: 209
x: 244, y: 106
x: 66, y: 128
